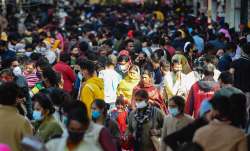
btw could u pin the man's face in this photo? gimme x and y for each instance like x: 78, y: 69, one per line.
x: 130, y: 46
x: 14, y: 64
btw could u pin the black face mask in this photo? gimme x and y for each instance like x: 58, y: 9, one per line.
x: 76, y: 137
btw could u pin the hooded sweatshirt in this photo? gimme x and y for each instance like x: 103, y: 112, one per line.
x: 91, y: 90
x: 201, y: 90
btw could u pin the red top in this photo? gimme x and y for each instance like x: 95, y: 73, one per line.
x: 68, y: 75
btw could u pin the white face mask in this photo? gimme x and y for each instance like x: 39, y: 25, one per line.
x: 17, y: 71
x: 141, y: 105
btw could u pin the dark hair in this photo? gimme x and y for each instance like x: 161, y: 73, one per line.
x: 120, y: 101
x: 128, y: 41
x: 9, y: 92
x: 52, y: 77
x: 209, y: 69
x: 179, y: 101
x: 59, y: 97
x: 101, y: 105
x: 156, y: 57
x: 246, y: 48
x: 238, y: 110
x: 64, y: 57
x: 78, y: 111
x: 3, y: 43
x: 42, y: 63
x: 147, y: 72
x: 45, y: 102
x: 84, y: 46
x: 142, y: 93
x: 87, y: 65
x: 222, y: 105
x: 8, y: 71
x: 226, y: 77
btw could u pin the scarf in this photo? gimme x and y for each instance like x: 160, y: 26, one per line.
x: 141, y: 116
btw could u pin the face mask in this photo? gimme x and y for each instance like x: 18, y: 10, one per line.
x: 141, y: 105
x: 76, y: 136
x: 37, y: 115
x: 96, y: 115
x: 174, y: 111
x: 17, y: 71
x: 28, y: 54
x: 123, y: 67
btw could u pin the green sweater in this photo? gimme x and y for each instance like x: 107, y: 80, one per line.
x: 48, y: 129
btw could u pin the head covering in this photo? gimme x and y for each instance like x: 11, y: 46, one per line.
x: 4, y: 147
x: 123, y: 53
x: 205, y: 107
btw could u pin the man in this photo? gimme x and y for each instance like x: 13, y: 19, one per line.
x: 201, y: 90
x: 15, y: 126
x: 240, y: 68
x: 93, y: 87
x: 175, y: 81
x: 226, y: 59
x: 226, y: 83
x: 111, y: 81
x: 68, y: 74
x: 5, y: 54
x: 7, y: 75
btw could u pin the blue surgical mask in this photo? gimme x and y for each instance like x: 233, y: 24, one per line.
x: 174, y: 111
x: 96, y: 115
x: 37, y: 115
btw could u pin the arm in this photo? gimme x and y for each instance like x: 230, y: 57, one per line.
x: 163, y: 146
x: 106, y: 141
x: 71, y: 75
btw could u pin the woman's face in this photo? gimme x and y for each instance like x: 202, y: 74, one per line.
x: 146, y: 78
x: 75, y: 126
x: 132, y: 73
x: 171, y: 104
x: 39, y: 108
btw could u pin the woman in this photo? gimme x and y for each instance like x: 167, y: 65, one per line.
x: 46, y: 126
x: 146, y: 84
x: 126, y: 86
x: 99, y: 116
x: 223, y: 131
x: 144, y: 122
x: 83, y: 134
x: 176, y: 120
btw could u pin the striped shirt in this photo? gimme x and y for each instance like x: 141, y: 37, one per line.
x: 32, y: 78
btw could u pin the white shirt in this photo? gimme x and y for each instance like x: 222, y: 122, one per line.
x: 111, y: 81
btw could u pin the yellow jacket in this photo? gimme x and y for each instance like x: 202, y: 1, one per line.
x: 91, y: 90
x: 126, y: 87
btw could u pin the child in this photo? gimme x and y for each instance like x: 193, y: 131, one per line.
x: 30, y: 74
x: 120, y: 114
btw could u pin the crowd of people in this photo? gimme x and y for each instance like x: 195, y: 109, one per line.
x: 79, y: 77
